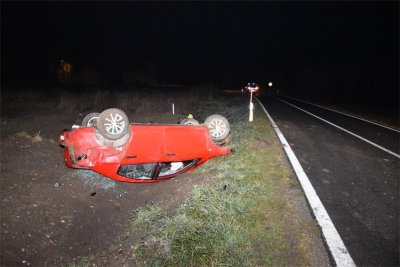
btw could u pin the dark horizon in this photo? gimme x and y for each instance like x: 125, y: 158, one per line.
x: 304, y: 47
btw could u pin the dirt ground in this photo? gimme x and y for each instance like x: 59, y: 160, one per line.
x: 52, y: 215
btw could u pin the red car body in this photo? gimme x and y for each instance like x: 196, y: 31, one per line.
x: 153, y: 152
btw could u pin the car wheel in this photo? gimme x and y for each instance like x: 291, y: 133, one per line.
x: 113, y: 124
x: 188, y: 121
x: 112, y: 143
x: 218, y: 127
x: 90, y: 120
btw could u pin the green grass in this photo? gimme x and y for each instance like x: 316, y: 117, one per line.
x: 240, y: 218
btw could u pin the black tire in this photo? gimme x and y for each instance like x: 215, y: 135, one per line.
x: 113, y: 124
x: 90, y: 120
x: 218, y: 127
x: 188, y: 121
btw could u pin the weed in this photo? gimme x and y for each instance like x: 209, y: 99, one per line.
x: 23, y: 135
x: 34, y: 139
x: 37, y: 138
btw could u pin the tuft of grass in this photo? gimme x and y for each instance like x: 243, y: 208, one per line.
x: 37, y: 138
x: 240, y: 219
x: 23, y: 135
x: 34, y: 139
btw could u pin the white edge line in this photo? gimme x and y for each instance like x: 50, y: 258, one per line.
x: 354, y: 117
x: 343, y: 129
x: 333, y: 240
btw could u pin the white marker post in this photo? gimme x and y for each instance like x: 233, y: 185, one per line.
x: 251, y: 106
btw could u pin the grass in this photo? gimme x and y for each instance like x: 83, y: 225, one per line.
x: 77, y: 99
x: 133, y: 101
x: 240, y: 218
x: 16, y: 102
x: 34, y: 139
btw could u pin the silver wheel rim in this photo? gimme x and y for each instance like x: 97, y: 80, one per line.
x: 92, y: 121
x: 217, y: 128
x: 115, y: 124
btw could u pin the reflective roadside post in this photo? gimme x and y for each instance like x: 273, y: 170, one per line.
x: 251, y: 106
x: 251, y: 87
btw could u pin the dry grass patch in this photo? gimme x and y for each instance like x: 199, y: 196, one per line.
x: 25, y: 135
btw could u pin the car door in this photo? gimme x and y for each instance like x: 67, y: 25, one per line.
x: 146, y: 144
x: 185, y: 142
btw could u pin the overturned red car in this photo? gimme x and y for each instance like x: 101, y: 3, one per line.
x: 143, y: 153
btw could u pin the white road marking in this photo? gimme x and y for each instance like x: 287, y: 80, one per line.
x: 355, y: 117
x: 333, y: 240
x: 343, y: 129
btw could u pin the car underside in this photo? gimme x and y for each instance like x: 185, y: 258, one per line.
x: 145, y: 152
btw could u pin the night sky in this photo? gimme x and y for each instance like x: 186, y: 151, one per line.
x: 220, y: 42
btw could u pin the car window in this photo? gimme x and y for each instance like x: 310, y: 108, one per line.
x: 170, y: 168
x: 138, y: 171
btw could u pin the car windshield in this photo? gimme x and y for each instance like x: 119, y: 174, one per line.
x: 147, y: 171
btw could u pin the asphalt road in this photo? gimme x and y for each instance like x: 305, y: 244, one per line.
x: 357, y: 183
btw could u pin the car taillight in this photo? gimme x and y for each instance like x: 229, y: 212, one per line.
x: 63, y: 138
